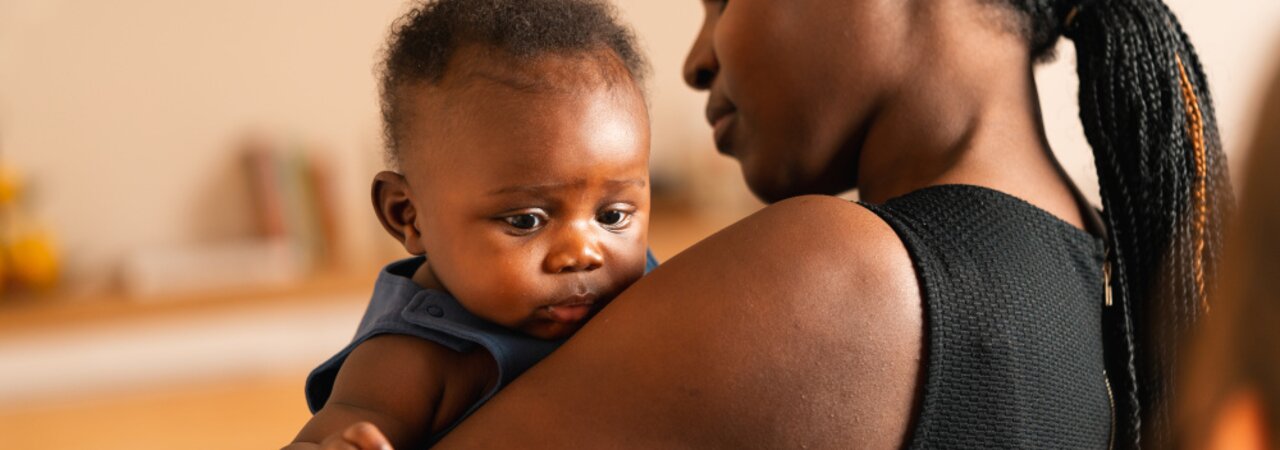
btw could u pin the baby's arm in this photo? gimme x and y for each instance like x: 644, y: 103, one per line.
x: 392, y: 382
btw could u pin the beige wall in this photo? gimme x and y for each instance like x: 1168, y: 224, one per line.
x: 125, y: 113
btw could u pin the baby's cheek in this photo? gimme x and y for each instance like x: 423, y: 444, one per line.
x: 511, y: 292
x: 496, y: 306
x: 636, y: 258
x: 632, y: 272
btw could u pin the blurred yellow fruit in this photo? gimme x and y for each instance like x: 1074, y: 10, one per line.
x: 3, y: 272
x: 34, y: 261
x: 10, y: 186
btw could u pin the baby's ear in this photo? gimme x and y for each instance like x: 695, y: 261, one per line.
x: 394, y: 206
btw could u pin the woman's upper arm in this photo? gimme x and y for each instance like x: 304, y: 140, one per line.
x: 800, y: 325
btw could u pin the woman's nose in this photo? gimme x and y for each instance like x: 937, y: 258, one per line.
x: 576, y: 251
x: 701, y: 65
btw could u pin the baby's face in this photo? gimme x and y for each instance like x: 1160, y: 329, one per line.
x: 533, y: 206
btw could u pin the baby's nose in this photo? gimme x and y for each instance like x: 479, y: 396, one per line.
x: 576, y: 253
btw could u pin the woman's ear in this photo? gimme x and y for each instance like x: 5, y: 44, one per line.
x: 393, y: 204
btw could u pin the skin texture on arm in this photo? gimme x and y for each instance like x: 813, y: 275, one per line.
x: 405, y: 386
x: 800, y: 325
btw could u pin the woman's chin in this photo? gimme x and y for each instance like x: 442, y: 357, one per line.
x: 772, y: 190
x: 769, y: 186
x: 774, y: 181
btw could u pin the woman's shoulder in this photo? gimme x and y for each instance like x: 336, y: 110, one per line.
x: 823, y: 251
x: 800, y: 324
x: 824, y: 235
x: 826, y: 217
x: 806, y: 249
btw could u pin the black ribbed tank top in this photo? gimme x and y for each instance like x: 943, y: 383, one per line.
x: 1013, y: 300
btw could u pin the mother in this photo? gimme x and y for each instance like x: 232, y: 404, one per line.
x: 962, y: 304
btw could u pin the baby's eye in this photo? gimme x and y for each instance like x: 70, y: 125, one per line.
x: 525, y: 222
x: 614, y: 219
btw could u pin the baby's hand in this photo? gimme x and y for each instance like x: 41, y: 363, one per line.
x: 361, y: 436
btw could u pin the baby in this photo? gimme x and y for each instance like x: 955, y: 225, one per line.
x: 520, y: 136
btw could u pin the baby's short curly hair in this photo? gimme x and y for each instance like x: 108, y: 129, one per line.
x: 423, y: 41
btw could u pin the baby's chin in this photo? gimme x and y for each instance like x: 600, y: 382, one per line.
x: 552, y: 323
x: 551, y: 330
x: 560, y: 322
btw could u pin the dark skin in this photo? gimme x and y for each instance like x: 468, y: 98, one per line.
x: 527, y: 184
x: 800, y: 325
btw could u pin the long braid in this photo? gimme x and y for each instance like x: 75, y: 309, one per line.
x: 1148, y: 114
x: 1161, y: 143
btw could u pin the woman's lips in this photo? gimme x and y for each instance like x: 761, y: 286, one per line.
x: 723, y: 127
x: 722, y: 115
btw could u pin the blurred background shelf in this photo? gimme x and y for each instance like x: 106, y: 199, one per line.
x: 28, y: 313
x: 236, y: 413
x: 77, y: 349
x: 670, y: 232
x: 157, y: 373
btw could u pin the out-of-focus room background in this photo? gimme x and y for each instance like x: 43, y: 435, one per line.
x: 184, y: 216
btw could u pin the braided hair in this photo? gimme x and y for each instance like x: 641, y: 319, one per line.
x: 1148, y: 114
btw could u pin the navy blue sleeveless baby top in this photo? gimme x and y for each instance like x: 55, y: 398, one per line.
x: 400, y: 306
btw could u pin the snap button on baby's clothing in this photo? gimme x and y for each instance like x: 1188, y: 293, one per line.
x: 435, y: 311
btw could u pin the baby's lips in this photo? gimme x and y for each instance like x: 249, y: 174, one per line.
x: 569, y: 313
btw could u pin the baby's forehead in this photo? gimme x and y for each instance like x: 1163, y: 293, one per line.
x: 496, y: 116
x: 548, y: 72
x: 496, y: 125
x: 486, y: 160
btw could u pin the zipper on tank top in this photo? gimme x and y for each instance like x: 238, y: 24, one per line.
x: 1111, y: 398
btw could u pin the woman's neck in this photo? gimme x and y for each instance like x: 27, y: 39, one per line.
x: 956, y: 122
